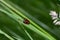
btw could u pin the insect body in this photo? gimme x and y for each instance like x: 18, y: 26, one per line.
x: 26, y: 21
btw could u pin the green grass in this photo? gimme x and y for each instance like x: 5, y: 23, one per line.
x: 12, y: 18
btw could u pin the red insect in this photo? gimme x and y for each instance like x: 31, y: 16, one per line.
x: 26, y: 21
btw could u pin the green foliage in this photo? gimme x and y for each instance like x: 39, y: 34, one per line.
x: 13, y: 13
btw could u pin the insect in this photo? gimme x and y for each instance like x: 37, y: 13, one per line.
x: 26, y: 21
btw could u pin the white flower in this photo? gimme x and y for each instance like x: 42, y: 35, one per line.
x: 57, y: 23
x: 53, y: 14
